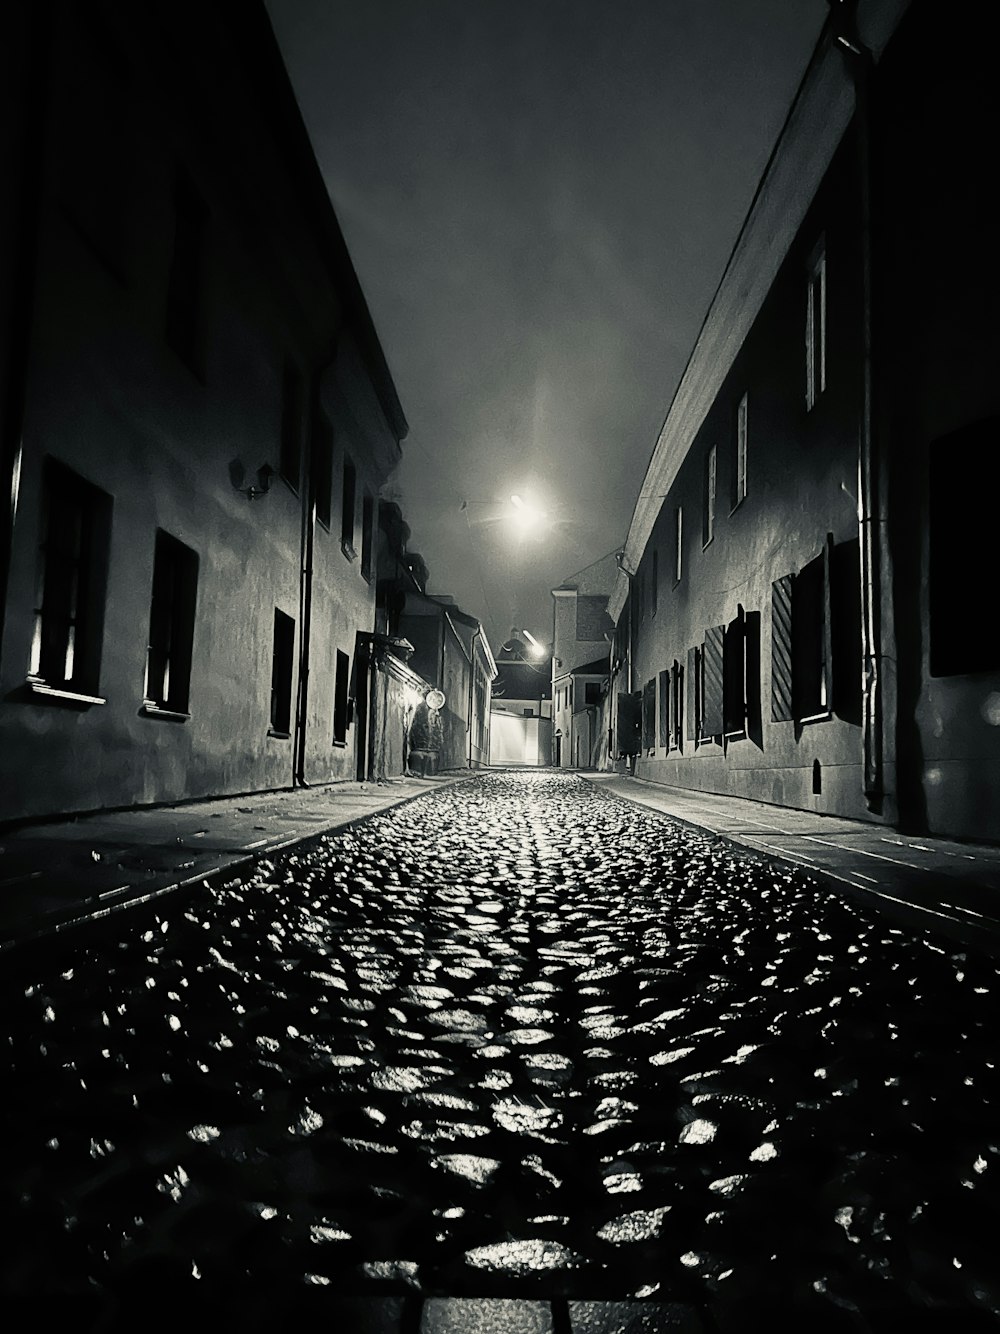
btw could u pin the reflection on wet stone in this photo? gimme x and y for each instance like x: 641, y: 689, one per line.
x: 513, y: 1037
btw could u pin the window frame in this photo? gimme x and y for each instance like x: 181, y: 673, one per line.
x: 282, y: 674
x: 816, y: 324
x: 173, y: 604
x: 348, y: 506
x: 710, y: 495
x: 70, y: 603
x: 740, y: 459
x: 679, y: 544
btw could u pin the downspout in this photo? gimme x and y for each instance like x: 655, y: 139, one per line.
x: 472, y: 688
x: 307, y: 548
x: 860, y: 64
x: 31, y: 91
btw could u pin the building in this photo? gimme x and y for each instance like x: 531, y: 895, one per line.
x: 521, y: 720
x: 804, y: 605
x: 450, y: 649
x: 581, y: 634
x: 197, y: 419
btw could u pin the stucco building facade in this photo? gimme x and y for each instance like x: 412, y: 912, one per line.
x: 197, y: 419
x: 798, y: 608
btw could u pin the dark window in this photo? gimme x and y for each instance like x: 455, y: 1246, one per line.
x: 340, y: 687
x: 649, y: 715
x: 184, y: 291
x: 367, y: 528
x: 734, y: 673
x: 677, y: 705
x: 592, y: 692
x: 654, y: 586
x: 281, y: 674
x: 69, y: 615
x: 816, y: 326
x: 740, y: 453
x: 323, y: 465
x: 171, y: 624
x: 348, y: 502
x: 708, y: 519
x: 811, y: 640
x: 678, y: 544
x: 664, y: 709
x: 290, y: 465
x: 964, y: 477
x: 845, y: 630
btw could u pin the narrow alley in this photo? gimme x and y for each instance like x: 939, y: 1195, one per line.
x: 516, y: 1038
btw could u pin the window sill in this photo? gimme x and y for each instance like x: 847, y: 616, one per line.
x: 339, y: 745
x: 815, y: 718
x: 741, y: 500
x: 37, y: 688
x: 706, y: 545
x: 348, y: 549
x: 150, y: 709
x: 281, y: 736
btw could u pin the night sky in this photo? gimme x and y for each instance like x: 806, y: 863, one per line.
x: 539, y: 198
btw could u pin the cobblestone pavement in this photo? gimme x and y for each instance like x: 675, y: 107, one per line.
x: 514, y: 1039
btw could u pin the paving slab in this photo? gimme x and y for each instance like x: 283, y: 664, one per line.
x: 488, y: 1315
x: 921, y: 881
x: 61, y: 874
x: 633, y: 1318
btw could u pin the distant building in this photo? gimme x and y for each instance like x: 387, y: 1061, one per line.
x: 196, y: 420
x: 450, y: 649
x: 521, y: 722
x: 809, y: 614
x: 581, y: 635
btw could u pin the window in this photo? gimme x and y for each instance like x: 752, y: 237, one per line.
x: 679, y: 545
x: 290, y: 463
x: 664, y: 709
x: 816, y: 326
x: 677, y: 705
x: 348, y: 502
x: 654, y: 583
x: 734, y: 677
x: 340, y: 704
x: 367, y: 530
x: 801, y: 643
x: 281, y: 674
x: 323, y: 464
x: 649, y: 715
x: 69, y: 611
x: 708, y: 526
x: 171, y: 626
x: 184, y: 290
x: 592, y: 692
x: 740, y: 470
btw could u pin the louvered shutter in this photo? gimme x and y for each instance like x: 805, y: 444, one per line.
x: 781, y: 649
x: 691, y: 711
x: 664, y: 702
x: 712, y: 709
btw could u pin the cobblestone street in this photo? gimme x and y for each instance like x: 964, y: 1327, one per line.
x: 516, y: 1038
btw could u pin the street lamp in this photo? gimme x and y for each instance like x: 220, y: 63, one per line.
x: 537, y: 649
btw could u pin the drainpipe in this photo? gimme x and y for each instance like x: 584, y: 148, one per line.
x: 472, y: 688
x: 307, y: 548
x: 860, y: 63
x: 30, y: 88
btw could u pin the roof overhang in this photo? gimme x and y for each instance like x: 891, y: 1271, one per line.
x: 820, y: 114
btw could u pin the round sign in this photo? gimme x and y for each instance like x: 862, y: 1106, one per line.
x: 435, y: 699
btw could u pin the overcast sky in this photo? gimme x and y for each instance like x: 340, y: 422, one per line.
x: 539, y: 197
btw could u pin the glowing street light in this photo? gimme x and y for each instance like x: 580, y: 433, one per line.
x: 527, y: 516
x: 537, y: 649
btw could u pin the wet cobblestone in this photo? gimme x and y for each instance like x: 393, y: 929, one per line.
x: 513, y: 1038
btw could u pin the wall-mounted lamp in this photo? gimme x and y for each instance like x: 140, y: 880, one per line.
x: 237, y: 475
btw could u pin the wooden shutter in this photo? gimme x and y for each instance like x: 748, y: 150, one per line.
x: 781, y: 649
x: 691, y: 711
x: 664, y: 718
x: 649, y: 715
x: 712, y: 722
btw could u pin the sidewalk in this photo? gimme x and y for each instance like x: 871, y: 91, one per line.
x: 68, y: 872
x: 929, y: 884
